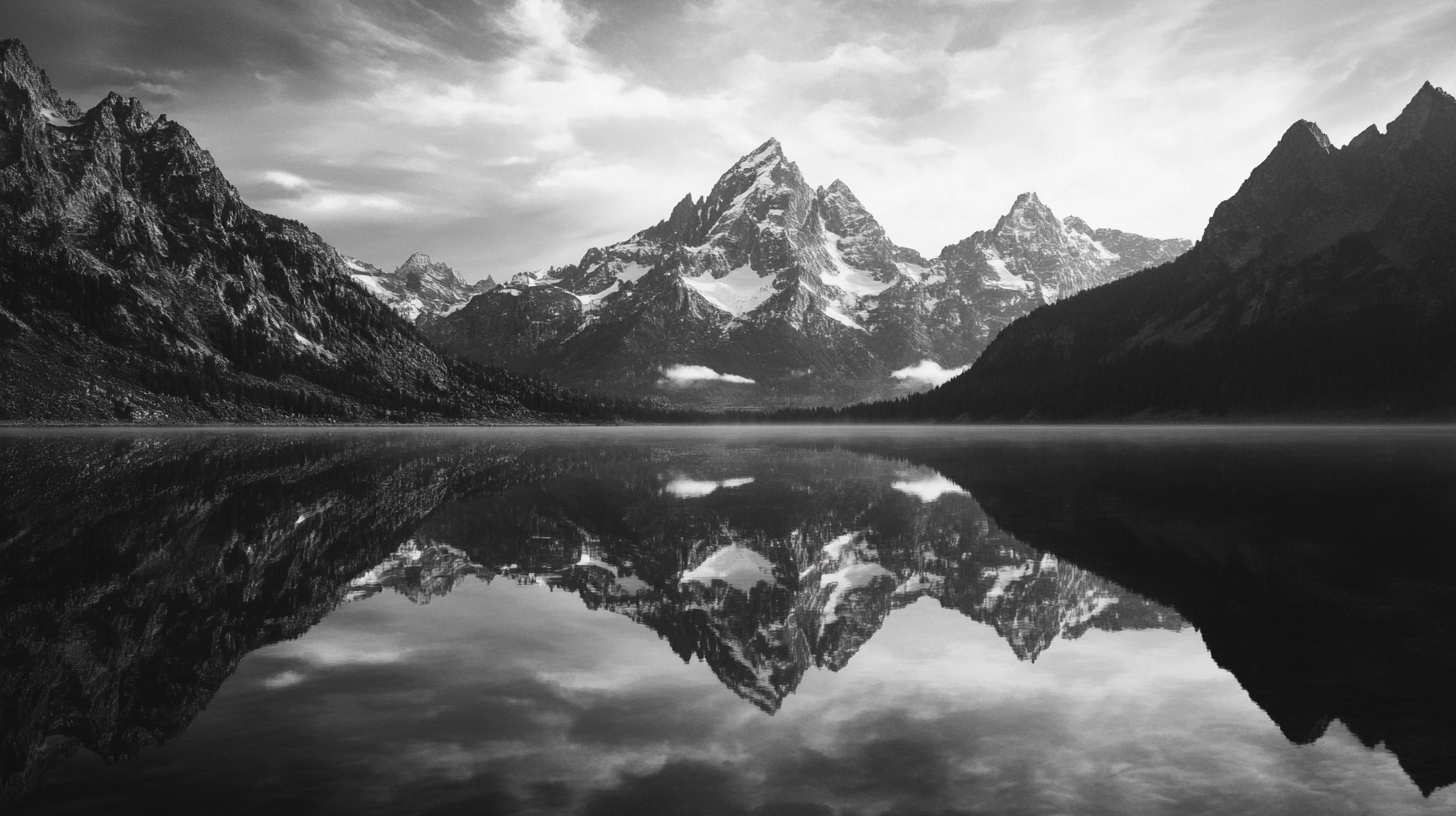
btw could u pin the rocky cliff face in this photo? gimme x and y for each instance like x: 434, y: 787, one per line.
x: 1323, y: 286
x: 136, y: 285
x: 768, y: 291
x: 420, y: 289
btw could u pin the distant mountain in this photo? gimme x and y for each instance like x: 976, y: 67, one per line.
x: 136, y: 285
x: 769, y: 292
x: 1325, y: 287
x: 420, y: 289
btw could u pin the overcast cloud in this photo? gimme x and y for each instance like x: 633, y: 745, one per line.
x: 501, y: 135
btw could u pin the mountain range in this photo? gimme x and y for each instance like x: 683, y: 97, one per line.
x: 768, y: 291
x: 1324, y: 288
x: 419, y: 289
x: 137, y: 286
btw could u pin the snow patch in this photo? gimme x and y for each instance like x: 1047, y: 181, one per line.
x: 372, y: 284
x: 591, y: 302
x: 735, y: 565
x: 929, y: 371
x: 740, y: 291
x: 57, y: 120
x: 833, y: 313
x: 835, y: 548
x: 854, y: 576
x: 857, y: 282
x: 1005, y: 577
x: 632, y: 272
x: 1004, y: 278
x: 684, y: 374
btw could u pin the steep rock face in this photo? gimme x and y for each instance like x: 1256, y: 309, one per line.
x: 1322, y: 286
x: 420, y: 289
x: 796, y: 292
x: 135, y: 285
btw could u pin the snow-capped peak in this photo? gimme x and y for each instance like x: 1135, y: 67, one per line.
x: 770, y: 152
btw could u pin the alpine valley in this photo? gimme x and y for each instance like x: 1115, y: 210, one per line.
x: 771, y: 292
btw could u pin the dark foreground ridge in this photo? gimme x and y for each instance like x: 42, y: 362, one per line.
x: 1326, y: 286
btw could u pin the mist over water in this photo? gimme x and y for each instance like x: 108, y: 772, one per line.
x: 720, y: 620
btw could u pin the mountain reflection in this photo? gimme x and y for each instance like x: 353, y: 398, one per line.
x: 136, y: 571
x: 766, y: 576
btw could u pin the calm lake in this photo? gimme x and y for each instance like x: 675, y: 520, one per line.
x: 774, y: 621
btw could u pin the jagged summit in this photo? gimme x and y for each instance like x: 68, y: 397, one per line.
x: 768, y: 152
x: 1303, y: 138
x: 779, y: 292
x: 1026, y: 213
x: 1431, y: 114
x: 420, y: 289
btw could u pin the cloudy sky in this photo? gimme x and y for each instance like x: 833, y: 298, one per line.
x: 501, y: 135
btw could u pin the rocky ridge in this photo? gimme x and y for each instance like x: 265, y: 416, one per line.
x: 768, y: 291
x: 420, y: 289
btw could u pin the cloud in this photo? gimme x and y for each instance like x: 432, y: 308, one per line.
x: 684, y: 374
x: 929, y: 371
x: 929, y: 489
x: 283, y: 680
x: 286, y: 180
x: 306, y: 198
x: 503, y: 135
x: 694, y: 488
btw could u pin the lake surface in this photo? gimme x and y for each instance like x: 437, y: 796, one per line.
x: 729, y: 621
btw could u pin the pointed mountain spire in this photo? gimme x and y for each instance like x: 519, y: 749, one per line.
x: 17, y: 68
x: 1303, y: 140
x: 770, y: 152
x: 1076, y: 224
x: 1431, y: 113
x: 1027, y: 212
x: 680, y: 227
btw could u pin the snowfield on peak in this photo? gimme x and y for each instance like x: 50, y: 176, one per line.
x: 763, y: 276
x: 739, y: 292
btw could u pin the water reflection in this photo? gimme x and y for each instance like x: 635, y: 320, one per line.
x: 764, y: 577
x: 137, y: 572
